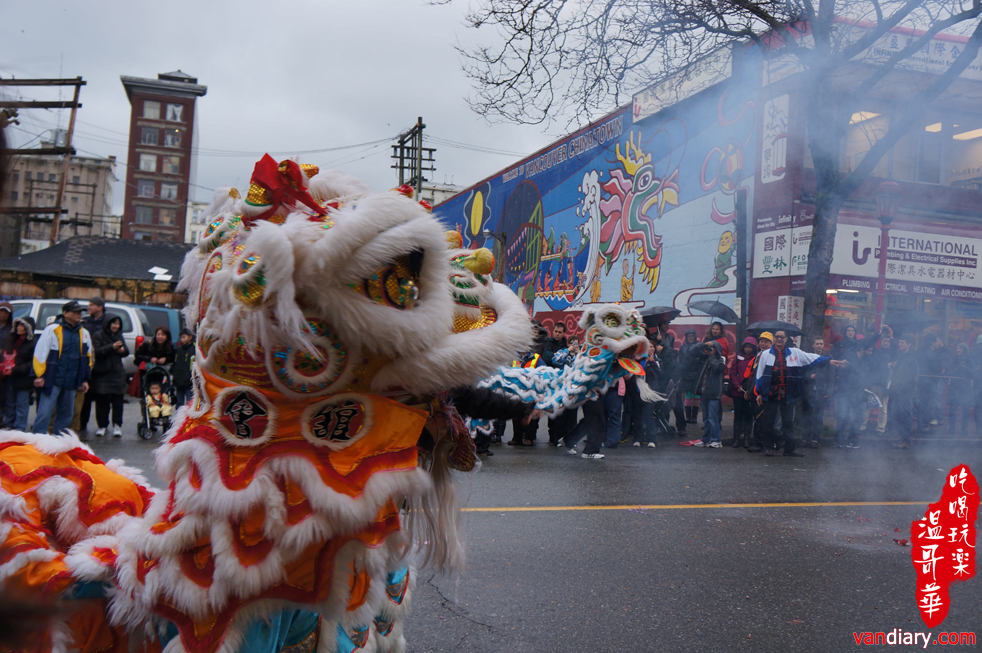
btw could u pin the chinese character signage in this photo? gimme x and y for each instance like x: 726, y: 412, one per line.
x: 944, y: 544
x: 791, y: 309
x: 773, y: 154
x: 781, y: 253
x: 911, y: 256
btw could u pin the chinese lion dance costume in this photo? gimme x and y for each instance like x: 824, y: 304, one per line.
x: 310, y: 474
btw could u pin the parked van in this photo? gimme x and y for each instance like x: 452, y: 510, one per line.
x: 136, y: 326
x: 171, y: 319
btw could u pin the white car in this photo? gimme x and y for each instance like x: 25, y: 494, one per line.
x: 136, y: 327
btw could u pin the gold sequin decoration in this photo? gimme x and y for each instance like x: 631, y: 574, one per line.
x: 235, y: 364
x: 463, y: 323
x: 257, y: 195
x: 366, y: 367
x: 393, y: 285
x: 226, y: 228
x: 309, y: 169
x: 250, y: 290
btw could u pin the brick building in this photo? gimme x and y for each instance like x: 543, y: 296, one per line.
x: 160, y: 156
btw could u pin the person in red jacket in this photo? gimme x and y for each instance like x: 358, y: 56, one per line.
x: 743, y: 412
x: 716, y: 333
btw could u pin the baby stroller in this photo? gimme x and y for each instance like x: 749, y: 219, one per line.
x: 155, y: 375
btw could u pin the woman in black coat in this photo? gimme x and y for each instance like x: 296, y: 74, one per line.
x: 158, y: 351
x: 108, y: 375
x: 20, y: 382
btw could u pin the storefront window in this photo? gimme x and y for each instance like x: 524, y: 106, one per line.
x: 865, y: 129
x: 966, y: 154
x: 953, y: 320
x: 929, y: 155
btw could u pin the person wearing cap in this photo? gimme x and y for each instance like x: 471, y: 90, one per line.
x: 62, y: 366
x: 764, y: 342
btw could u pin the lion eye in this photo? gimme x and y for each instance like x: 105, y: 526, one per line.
x: 612, y: 321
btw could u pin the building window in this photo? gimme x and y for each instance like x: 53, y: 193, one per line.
x: 144, y: 188
x: 175, y: 112
x: 148, y: 136
x: 171, y: 165
x: 966, y: 154
x: 141, y: 235
x: 13, y: 195
x: 148, y: 162
x: 52, y: 176
x: 151, y: 109
x: 168, y: 191
x: 27, y: 176
x: 74, y: 200
x: 144, y: 215
x: 172, y: 138
x: 76, y: 179
x: 167, y: 217
x: 15, y: 176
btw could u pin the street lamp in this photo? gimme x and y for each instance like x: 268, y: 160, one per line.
x: 887, y: 203
x: 500, y: 259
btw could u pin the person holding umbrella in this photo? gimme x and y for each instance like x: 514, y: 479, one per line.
x: 780, y: 379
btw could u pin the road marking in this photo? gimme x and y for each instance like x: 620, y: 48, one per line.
x: 690, y: 506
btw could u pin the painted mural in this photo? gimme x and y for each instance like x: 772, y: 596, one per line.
x: 633, y: 212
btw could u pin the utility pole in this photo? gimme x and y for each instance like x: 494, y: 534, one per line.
x: 66, y: 150
x: 741, y: 263
x: 66, y: 159
x: 411, y: 155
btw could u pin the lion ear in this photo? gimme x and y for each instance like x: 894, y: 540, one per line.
x: 588, y: 318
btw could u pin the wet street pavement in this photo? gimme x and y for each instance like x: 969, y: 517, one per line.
x: 679, y: 549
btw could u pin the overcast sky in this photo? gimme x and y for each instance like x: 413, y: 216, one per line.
x: 281, y: 76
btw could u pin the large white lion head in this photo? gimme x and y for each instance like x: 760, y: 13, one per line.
x: 615, y: 328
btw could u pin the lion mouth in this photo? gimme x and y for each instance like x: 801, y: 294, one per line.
x: 395, y: 284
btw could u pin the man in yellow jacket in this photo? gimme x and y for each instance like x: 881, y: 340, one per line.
x: 62, y: 365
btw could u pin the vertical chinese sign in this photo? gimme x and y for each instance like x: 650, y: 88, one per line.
x: 944, y: 544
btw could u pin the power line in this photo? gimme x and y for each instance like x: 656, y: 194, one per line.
x: 473, y: 148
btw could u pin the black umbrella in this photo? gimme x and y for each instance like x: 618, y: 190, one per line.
x: 911, y: 321
x: 791, y: 330
x: 715, y: 309
x: 657, y: 314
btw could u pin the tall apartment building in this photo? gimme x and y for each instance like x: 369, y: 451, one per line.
x: 88, y: 198
x: 161, y: 159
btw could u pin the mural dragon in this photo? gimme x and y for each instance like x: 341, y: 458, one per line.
x: 636, y: 198
x: 309, y: 476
